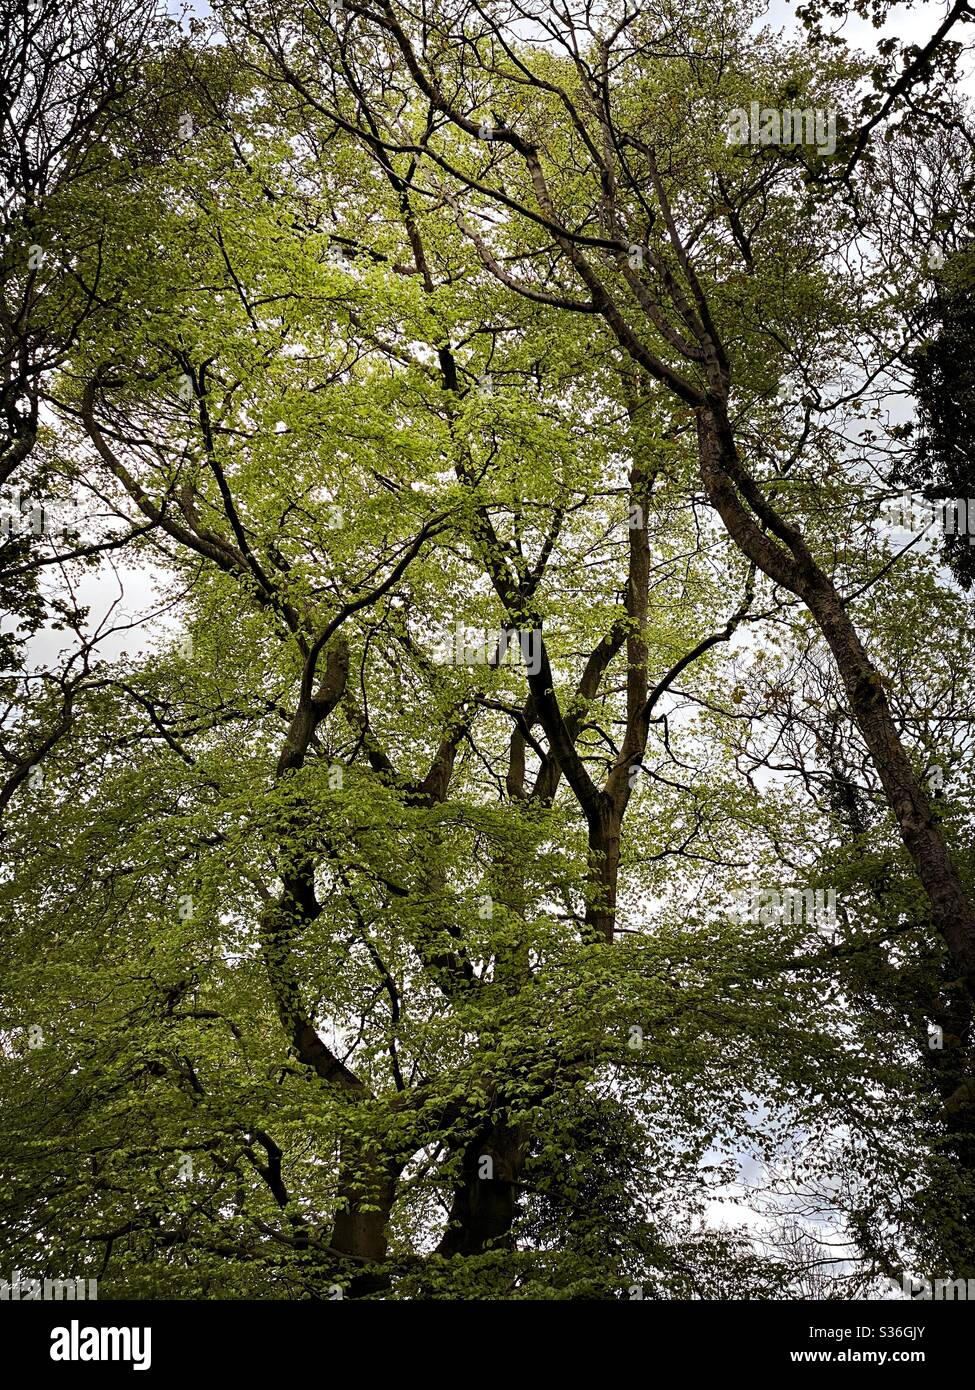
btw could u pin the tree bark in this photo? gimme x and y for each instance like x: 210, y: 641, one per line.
x: 604, y: 862
x: 485, y: 1199
x: 786, y: 559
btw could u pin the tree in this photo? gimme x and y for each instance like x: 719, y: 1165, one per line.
x: 942, y: 466
x: 373, y: 934
x: 608, y: 221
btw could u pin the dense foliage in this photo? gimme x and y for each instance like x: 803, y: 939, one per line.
x: 470, y: 618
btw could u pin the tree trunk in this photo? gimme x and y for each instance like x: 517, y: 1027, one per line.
x: 362, y: 1236
x: 791, y: 565
x: 604, y: 863
x: 486, y: 1195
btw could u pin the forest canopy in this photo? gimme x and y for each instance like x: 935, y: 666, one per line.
x: 486, y: 675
